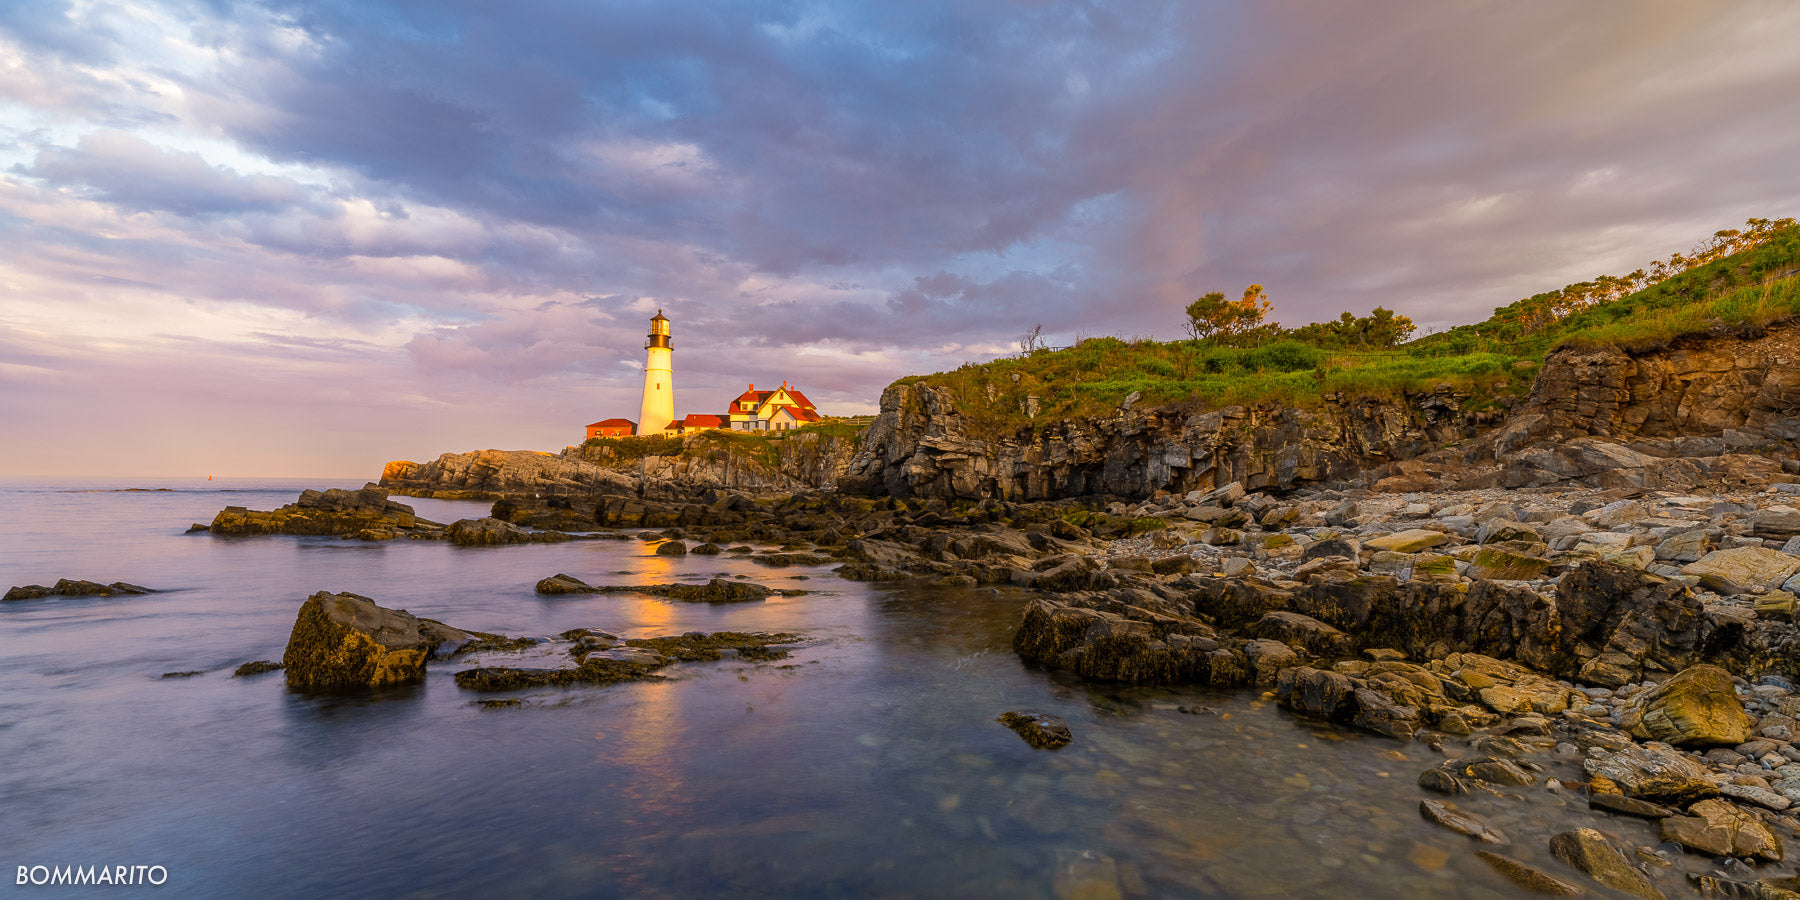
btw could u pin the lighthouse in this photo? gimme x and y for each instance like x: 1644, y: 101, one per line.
x: 658, y: 409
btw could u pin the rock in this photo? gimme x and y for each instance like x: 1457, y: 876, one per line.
x: 1460, y: 822
x: 1686, y: 547
x: 1590, y: 851
x: 1305, y: 632
x: 490, y: 531
x: 66, y: 587
x: 565, y: 584
x: 1499, y: 564
x: 1410, y: 541
x: 1070, y: 575
x: 1696, y: 708
x: 1347, y: 548
x: 1776, y: 524
x: 1460, y: 776
x: 1223, y: 496
x: 1237, y: 567
x: 707, y: 549
x: 1718, y: 828
x: 718, y: 590
x: 1434, y: 567
x: 1528, y: 877
x: 1776, y: 606
x: 1755, y: 796
x: 256, y: 667
x: 1494, y: 531
x: 346, y: 642
x: 1628, y: 806
x: 1654, y: 772
x: 1741, y: 570
x: 671, y: 548
x: 333, y: 512
x: 1040, y: 730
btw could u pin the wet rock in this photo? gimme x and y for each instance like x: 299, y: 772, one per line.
x: 489, y: 532
x: 66, y: 587
x: 333, y: 512
x: 1718, y: 828
x: 671, y: 548
x: 601, y: 667
x: 1654, y: 772
x: 565, y: 584
x: 1698, y: 707
x: 1040, y: 730
x: 1085, y: 875
x: 1628, y: 806
x: 187, y: 674
x: 1529, y: 877
x: 1741, y: 570
x: 1590, y: 851
x: 1444, y: 814
x: 1305, y: 632
x: 256, y: 667
x: 1461, y: 776
x: 707, y: 549
x: 346, y: 642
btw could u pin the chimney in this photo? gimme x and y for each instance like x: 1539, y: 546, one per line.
x: 753, y: 385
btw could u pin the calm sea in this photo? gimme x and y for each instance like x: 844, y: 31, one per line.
x: 868, y: 764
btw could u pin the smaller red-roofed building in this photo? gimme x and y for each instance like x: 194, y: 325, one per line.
x: 612, y: 428
x: 693, y: 422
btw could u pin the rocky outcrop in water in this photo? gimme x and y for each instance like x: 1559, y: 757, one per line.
x: 604, y: 659
x: 67, y: 587
x: 718, y: 590
x: 344, y: 642
x: 365, y: 514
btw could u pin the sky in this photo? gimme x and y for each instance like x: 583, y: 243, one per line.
x: 274, y: 238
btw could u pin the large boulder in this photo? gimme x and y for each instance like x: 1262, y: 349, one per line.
x: 1698, y: 707
x: 345, y: 642
x: 1410, y: 541
x: 489, y: 531
x: 1741, y: 570
x: 1620, y: 623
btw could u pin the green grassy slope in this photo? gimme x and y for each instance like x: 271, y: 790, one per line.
x: 1490, y: 360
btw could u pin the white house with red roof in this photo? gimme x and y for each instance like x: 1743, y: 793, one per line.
x: 776, y: 410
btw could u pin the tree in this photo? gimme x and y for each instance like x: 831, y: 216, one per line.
x: 1214, y: 316
x: 1032, y: 341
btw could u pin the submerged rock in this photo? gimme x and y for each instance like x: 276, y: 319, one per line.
x: 1040, y: 730
x: 346, y: 642
x: 1529, y: 877
x: 66, y: 587
x: 256, y: 667
x: 1456, y: 820
x: 1697, y: 708
x: 603, y: 662
x: 1590, y: 851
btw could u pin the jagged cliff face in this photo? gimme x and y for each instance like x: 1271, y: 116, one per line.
x: 1699, y: 385
x: 920, y: 446
x: 1710, y: 409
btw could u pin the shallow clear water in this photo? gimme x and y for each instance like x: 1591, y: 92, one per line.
x: 867, y: 764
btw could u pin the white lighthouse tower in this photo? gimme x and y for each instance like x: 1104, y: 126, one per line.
x: 658, y: 409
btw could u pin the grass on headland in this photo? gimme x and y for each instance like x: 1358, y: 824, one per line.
x: 1491, y: 361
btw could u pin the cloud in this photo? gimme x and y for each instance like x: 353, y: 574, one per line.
x: 478, y: 206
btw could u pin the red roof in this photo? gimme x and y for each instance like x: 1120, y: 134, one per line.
x: 613, y: 423
x: 800, y: 399
x: 702, y: 420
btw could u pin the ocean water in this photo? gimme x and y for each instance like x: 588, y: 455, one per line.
x: 868, y: 764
